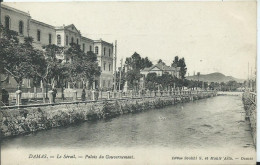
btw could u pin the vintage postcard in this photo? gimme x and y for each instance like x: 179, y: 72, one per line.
x: 116, y: 82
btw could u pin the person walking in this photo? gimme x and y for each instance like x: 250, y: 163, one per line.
x: 54, y: 94
x: 5, y: 97
x: 83, y: 95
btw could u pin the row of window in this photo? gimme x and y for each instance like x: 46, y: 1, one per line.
x: 21, y: 31
x: 109, y: 51
x: 8, y: 24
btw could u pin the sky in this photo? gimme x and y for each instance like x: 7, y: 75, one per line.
x: 211, y: 36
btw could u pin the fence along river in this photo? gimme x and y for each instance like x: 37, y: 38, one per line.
x: 215, y: 122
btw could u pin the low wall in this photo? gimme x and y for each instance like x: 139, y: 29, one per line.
x: 30, y: 119
x: 249, y: 101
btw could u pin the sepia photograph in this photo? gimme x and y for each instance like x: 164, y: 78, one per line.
x: 128, y: 82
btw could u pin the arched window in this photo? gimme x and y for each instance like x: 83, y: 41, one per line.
x: 58, y: 39
x: 96, y: 49
x: 21, y: 27
x: 50, y: 39
x: 90, y: 48
x: 38, y: 35
x: 72, y: 40
x: 104, y: 65
x: 77, y: 41
x: 7, y: 22
x: 104, y: 51
x: 109, y: 52
x: 109, y: 67
x: 67, y: 40
x: 83, y: 47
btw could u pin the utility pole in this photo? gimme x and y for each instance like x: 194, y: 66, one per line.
x: 1, y: 65
x: 115, y: 58
x: 121, y: 61
x: 248, y: 84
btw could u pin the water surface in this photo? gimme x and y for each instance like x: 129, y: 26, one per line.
x: 213, y: 122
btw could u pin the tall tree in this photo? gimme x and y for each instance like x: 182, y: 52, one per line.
x: 183, y: 68
x: 177, y: 62
x: 81, y: 66
x: 16, y: 58
x: 91, y: 68
x: 146, y: 63
x: 135, y: 63
x: 161, y: 61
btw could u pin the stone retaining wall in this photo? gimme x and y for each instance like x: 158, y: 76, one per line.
x: 26, y: 120
x: 250, y: 108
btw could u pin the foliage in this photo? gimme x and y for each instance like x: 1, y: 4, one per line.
x: 135, y: 63
x: 151, y: 81
x: 133, y: 77
x: 81, y: 66
x: 165, y: 81
x: 161, y: 61
x: 18, y: 60
x: 180, y: 63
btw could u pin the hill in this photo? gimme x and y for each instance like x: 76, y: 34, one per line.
x: 214, y: 77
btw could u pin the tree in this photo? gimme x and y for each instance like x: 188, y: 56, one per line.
x: 16, y: 58
x: 151, y: 81
x: 175, y: 62
x: 165, y: 80
x: 146, y: 62
x: 91, y: 68
x: 133, y: 78
x: 212, y: 86
x: 160, y: 61
x: 135, y: 63
x: 183, y: 68
x: 47, y: 67
x: 180, y: 63
x: 82, y: 66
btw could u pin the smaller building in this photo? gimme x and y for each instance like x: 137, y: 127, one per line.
x: 161, y: 69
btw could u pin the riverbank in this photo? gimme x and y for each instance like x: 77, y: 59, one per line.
x: 226, y: 93
x: 249, y: 101
x: 31, y: 119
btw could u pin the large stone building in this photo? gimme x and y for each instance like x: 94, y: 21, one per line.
x: 44, y: 34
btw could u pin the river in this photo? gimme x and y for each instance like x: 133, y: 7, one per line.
x: 217, y: 122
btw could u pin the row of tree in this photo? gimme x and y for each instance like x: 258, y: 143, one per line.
x: 152, y: 81
x: 22, y: 61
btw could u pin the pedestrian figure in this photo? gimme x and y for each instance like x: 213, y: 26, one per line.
x: 5, y: 97
x: 83, y: 95
x: 54, y: 94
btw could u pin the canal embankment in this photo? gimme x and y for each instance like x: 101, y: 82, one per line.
x: 249, y: 101
x: 228, y: 93
x: 28, y: 119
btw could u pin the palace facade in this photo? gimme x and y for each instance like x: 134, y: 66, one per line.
x: 44, y: 34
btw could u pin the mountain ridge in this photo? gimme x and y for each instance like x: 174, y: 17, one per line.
x: 215, y: 77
